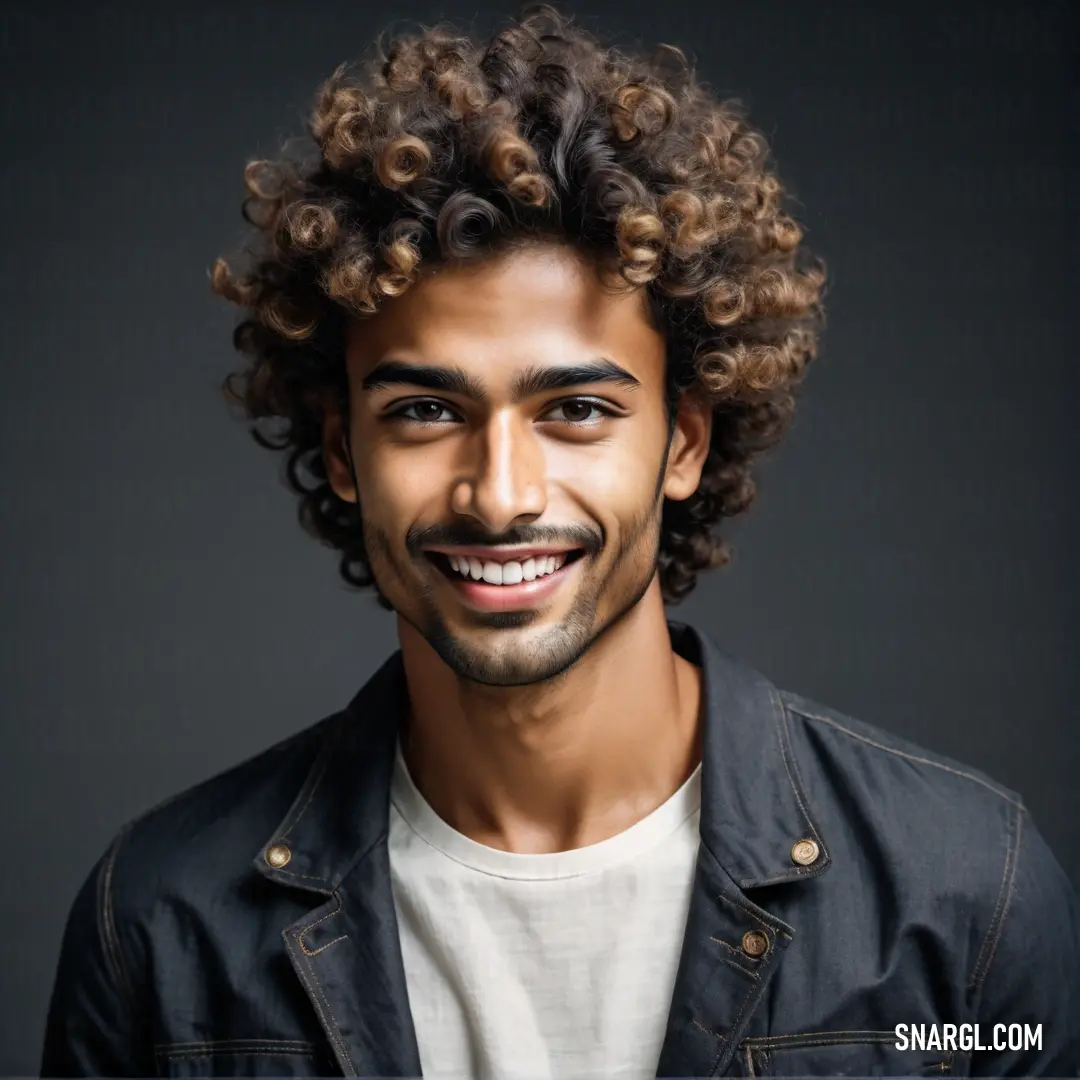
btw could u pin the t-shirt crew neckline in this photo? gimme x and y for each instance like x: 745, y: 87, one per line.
x: 642, y: 836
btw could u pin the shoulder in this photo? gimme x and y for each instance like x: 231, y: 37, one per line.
x: 933, y: 830
x: 150, y: 909
x: 958, y: 851
x: 207, y: 835
x: 884, y: 763
x: 940, y: 830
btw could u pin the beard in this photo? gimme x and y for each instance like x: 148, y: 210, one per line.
x: 510, y: 658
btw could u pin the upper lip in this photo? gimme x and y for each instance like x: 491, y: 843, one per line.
x: 502, y: 554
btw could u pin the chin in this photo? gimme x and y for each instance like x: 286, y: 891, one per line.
x: 525, y: 659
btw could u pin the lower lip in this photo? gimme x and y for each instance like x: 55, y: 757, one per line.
x: 524, y: 595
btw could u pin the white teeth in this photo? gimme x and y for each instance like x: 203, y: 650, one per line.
x: 508, y: 573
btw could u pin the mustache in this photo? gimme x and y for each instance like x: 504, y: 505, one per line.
x: 588, y: 539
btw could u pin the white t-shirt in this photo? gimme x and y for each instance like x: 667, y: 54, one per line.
x: 533, y: 966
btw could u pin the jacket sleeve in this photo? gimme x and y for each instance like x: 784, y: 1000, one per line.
x: 92, y: 1026
x: 1029, y: 968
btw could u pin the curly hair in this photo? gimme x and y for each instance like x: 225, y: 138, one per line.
x: 445, y: 148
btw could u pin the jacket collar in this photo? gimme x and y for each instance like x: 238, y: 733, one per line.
x: 754, y: 808
x: 753, y: 804
x: 342, y: 811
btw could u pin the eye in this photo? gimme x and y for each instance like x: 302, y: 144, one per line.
x: 578, y: 410
x: 575, y: 412
x: 423, y: 411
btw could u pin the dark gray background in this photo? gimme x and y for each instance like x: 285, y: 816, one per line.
x: 911, y: 558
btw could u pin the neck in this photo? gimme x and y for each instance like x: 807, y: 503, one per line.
x: 564, y: 763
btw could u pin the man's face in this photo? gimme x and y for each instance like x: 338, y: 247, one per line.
x: 510, y: 445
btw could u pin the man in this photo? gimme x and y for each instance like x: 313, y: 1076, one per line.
x: 524, y: 323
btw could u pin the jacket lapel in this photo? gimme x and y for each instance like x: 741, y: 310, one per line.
x: 347, y: 952
x: 753, y: 812
x: 348, y: 957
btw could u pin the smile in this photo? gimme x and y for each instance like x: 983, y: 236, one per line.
x: 505, y: 584
x: 511, y: 572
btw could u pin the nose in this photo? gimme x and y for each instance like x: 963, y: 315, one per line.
x: 504, y: 479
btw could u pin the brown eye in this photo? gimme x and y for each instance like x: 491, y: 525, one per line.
x: 576, y: 411
x: 424, y: 411
x: 428, y: 410
x: 580, y: 411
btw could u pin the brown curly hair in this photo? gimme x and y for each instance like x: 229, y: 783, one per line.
x: 446, y: 148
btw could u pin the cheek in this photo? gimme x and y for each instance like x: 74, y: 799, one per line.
x: 610, y: 476
x: 399, y: 484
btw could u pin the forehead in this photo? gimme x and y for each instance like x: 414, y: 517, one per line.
x: 526, y: 306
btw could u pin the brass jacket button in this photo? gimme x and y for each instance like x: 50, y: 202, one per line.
x: 277, y: 855
x: 805, y: 852
x: 755, y: 943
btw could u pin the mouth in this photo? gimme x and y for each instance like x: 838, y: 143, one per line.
x: 505, y: 584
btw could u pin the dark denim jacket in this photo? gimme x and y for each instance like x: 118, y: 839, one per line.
x: 932, y: 899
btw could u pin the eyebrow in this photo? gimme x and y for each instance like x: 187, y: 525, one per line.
x: 531, y: 381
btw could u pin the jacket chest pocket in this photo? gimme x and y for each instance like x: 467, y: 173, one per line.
x: 244, y: 1058
x: 838, y: 1053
